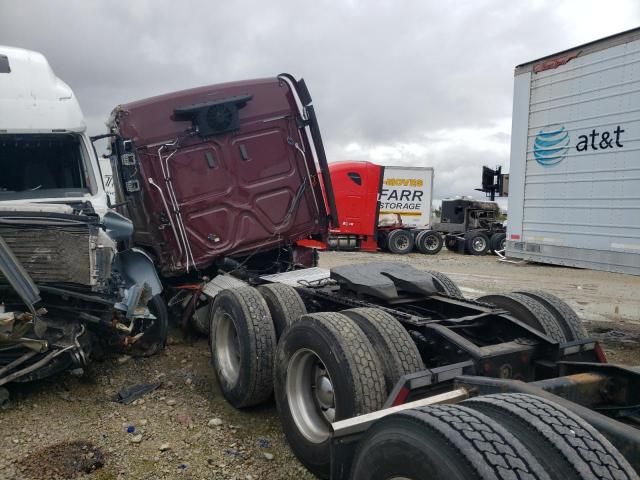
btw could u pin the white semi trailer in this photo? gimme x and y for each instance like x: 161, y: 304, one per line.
x: 574, y: 194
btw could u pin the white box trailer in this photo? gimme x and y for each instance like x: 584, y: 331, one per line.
x: 574, y: 194
x: 406, y: 192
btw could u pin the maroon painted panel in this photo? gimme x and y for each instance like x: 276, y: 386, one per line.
x: 235, y: 191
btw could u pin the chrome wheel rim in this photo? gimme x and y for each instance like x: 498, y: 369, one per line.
x: 310, y: 395
x: 227, y: 348
x: 479, y: 244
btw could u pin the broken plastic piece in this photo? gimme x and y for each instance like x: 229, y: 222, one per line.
x: 129, y: 394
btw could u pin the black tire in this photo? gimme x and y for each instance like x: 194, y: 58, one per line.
x: 330, y: 343
x: 396, y: 350
x: 445, y: 284
x: 429, y: 242
x: 528, y: 311
x: 476, y: 243
x: 155, y: 336
x: 242, y: 341
x: 285, y: 305
x: 445, y: 442
x: 200, y: 320
x: 498, y: 242
x: 566, y: 446
x: 400, y: 242
x: 563, y: 313
x: 451, y: 243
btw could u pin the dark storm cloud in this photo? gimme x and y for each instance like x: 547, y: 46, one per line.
x: 383, y: 73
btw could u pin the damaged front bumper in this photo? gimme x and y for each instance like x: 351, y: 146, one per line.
x: 51, y: 320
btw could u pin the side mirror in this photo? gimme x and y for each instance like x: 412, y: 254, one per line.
x: 117, y: 226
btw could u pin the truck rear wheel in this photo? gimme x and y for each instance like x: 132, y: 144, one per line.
x: 563, y: 313
x: 566, y: 446
x: 444, y: 442
x: 445, y: 284
x: 400, y: 242
x: 285, y: 305
x: 392, y: 343
x: 476, y: 243
x: 528, y: 311
x: 429, y: 242
x: 451, y: 243
x: 498, y: 242
x: 326, y: 370
x: 242, y: 341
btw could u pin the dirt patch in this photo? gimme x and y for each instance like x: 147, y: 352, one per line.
x: 65, y: 460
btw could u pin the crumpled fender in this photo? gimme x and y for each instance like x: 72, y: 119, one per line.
x: 136, y: 267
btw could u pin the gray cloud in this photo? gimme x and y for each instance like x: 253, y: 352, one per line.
x: 384, y: 74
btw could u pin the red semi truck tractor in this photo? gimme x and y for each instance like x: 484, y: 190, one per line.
x: 382, y: 207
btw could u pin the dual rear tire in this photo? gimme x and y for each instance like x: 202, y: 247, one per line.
x: 332, y: 366
x: 502, y: 436
x: 541, y: 311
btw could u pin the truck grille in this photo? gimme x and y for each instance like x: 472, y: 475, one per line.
x: 54, y: 254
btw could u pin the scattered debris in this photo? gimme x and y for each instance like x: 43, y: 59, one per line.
x: 171, y: 402
x: 232, y: 452
x: 164, y: 447
x: 268, y: 456
x: 136, y: 438
x: 129, y: 394
x: 215, y: 422
x: 263, y: 442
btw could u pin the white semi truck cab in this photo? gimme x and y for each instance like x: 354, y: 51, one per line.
x: 46, y: 153
x: 68, y: 280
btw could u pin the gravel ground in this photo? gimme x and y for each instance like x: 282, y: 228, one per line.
x: 68, y: 426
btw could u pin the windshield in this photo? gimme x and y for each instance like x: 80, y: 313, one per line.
x: 42, y: 166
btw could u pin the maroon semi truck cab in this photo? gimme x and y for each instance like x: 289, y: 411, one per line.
x: 226, y: 170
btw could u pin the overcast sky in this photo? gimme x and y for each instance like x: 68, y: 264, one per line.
x: 396, y: 82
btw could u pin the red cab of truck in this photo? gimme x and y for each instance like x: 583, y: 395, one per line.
x: 356, y: 186
x: 222, y: 171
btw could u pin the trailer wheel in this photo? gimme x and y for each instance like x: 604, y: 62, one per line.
x: 285, y: 305
x: 400, y: 242
x: 393, y: 344
x: 498, y: 242
x: 528, y: 311
x: 563, y: 313
x: 476, y: 243
x: 444, y: 442
x: 565, y: 445
x: 242, y: 341
x: 326, y: 370
x: 429, y: 242
x: 154, y: 338
x: 445, y: 284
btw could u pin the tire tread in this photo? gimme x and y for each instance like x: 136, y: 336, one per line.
x: 581, y: 445
x: 392, y: 343
x: 492, y: 451
x: 574, y: 329
x: 547, y: 322
x: 450, y: 288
